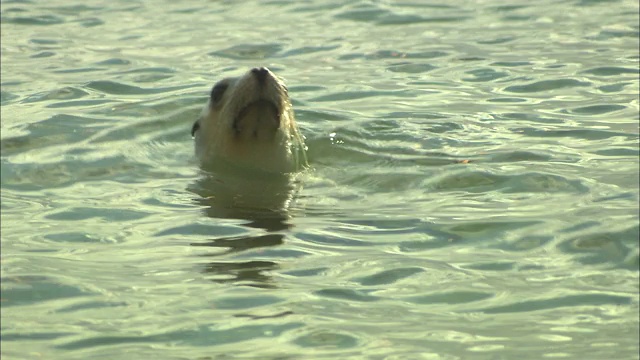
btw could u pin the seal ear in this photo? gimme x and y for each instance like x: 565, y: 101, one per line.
x: 195, y: 127
x: 218, y: 91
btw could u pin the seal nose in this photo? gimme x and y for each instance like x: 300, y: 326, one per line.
x: 260, y: 73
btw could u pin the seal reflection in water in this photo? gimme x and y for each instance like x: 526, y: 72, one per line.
x: 247, y: 140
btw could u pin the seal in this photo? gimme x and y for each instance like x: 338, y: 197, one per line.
x: 249, y: 121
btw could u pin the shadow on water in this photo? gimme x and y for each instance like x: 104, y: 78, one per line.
x: 262, y: 201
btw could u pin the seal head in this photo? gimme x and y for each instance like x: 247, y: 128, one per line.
x: 249, y: 121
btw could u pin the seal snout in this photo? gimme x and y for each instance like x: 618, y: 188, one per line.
x: 258, y: 112
x: 261, y: 74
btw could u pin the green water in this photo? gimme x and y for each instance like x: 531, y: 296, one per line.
x: 473, y: 191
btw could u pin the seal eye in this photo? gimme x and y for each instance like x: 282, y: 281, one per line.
x: 194, y: 128
x: 218, y: 91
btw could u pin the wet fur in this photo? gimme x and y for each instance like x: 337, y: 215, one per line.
x: 249, y: 122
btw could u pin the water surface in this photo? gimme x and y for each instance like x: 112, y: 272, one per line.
x: 473, y: 190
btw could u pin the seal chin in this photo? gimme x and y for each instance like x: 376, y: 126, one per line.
x: 262, y: 115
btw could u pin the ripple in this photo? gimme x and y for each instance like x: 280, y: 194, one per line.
x: 607, y: 35
x: 307, y: 272
x: 536, y: 118
x: 75, y: 9
x: 403, y: 19
x: 388, y: 17
x: 527, y: 243
x: 43, y: 54
x: 177, y: 122
x: 150, y: 74
x: 355, y: 95
x: 411, y: 68
x: 75, y: 237
x: 546, y: 85
x: 366, y: 15
x: 202, y: 336
x: 248, y: 51
x: 483, y: 75
x: 434, y: 240
x: 330, y: 240
x: 44, y: 41
x: 40, y: 20
x: 500, y: 40
x: 116, y: 88
x: 84, y: 213
x: 618, y: 152
x: 480, y: 181
x: 78, y: 70
x: 37, y: 336
x: 199, y: 229
x: 611, y: 71
x: 309, y: 50
x: 90, y: 22
x: 388, y: 276
x: 346, y: 294
x: 57, y: 130
x: 25, y: 290
x: 601, y: 247
x: 455, y: 297
x: 507, y: 100
x: 613, y: 88
x: 508, y: 8
x: 245, y: 302
x: 511, y: 63
x: 597, y: 109
x: 324, y: 339
x: 559, y: 302
x: 78, y: 103
x: 394, y: 54
x: 492, y: 266
x: 90, y: 305
x: 114, y: 61
x: 234, y: 244
x: 586, y: 134
x: 65, y: 93
x: 247, y: 273
x: 32, y: 177
x: 7, y: 97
